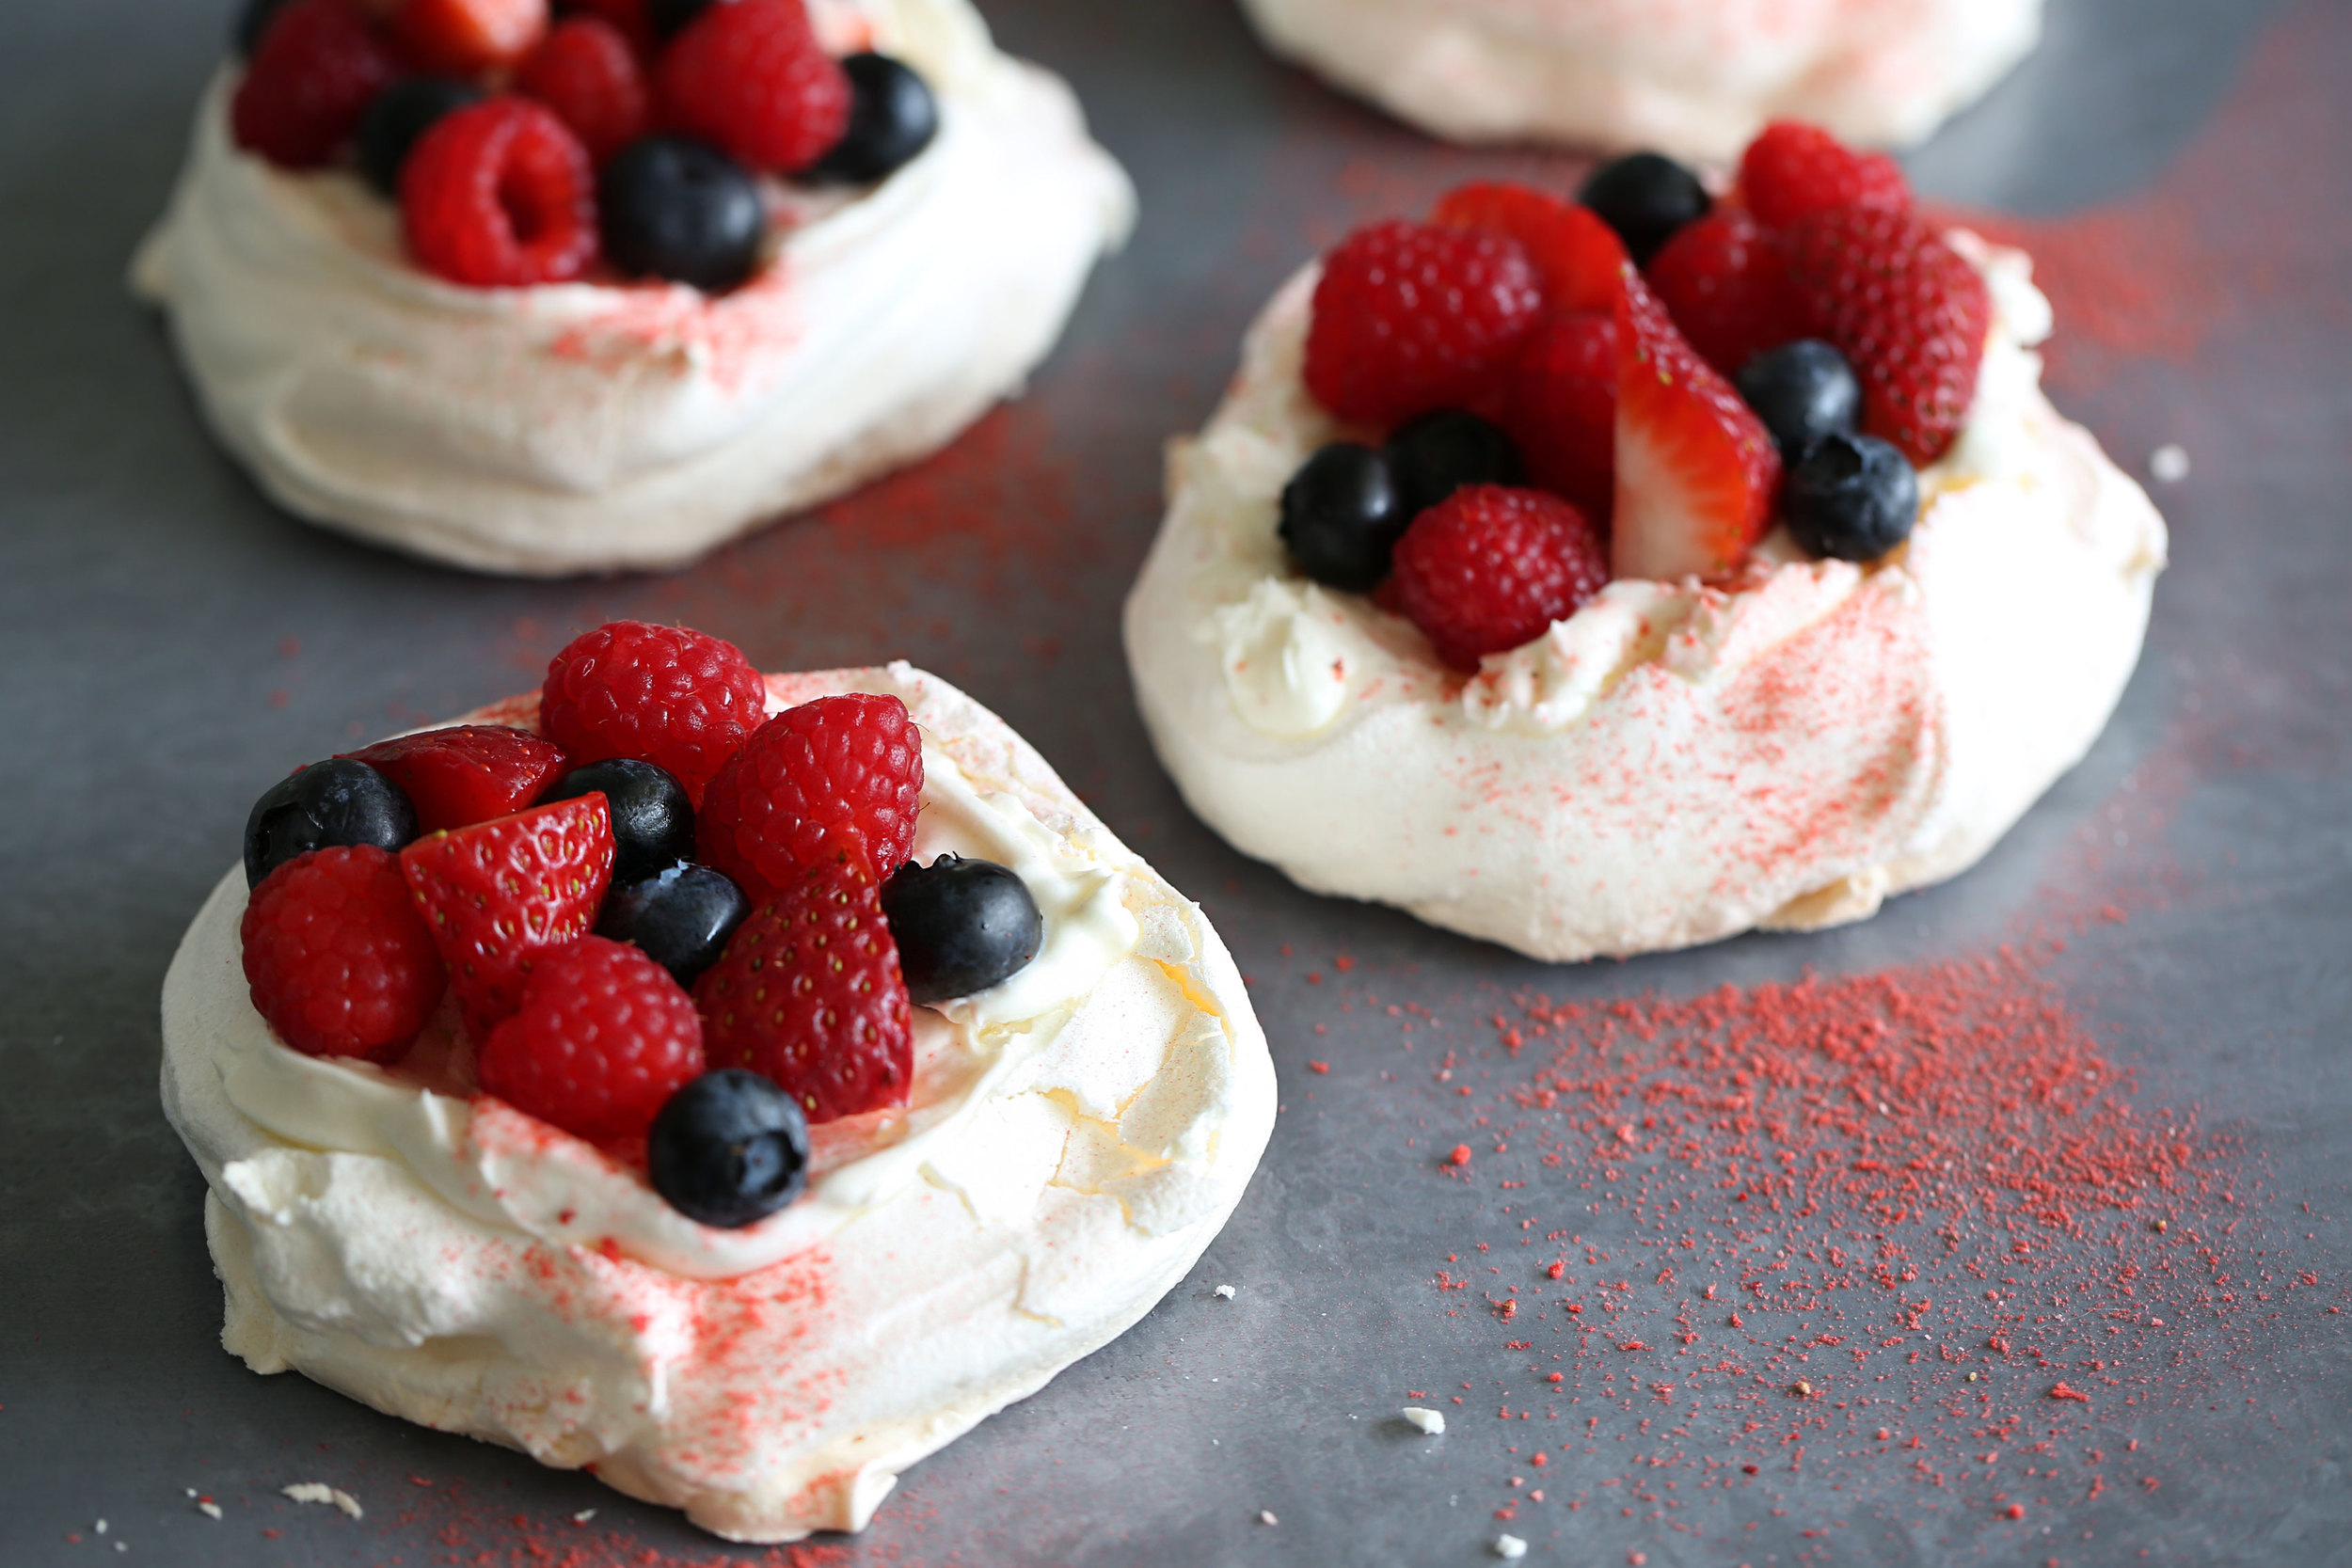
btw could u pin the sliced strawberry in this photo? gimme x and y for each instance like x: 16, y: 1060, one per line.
x: 497, y: 894
x: 1696, y: 470
x: 1722, y: 280
x: 467, y: 773
x: 1562, y: 409
x: 1578, y: 257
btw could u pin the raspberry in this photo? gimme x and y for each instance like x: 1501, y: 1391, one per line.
x: 467, y: 773
x: 1723, y: 281
x: 628, y: 16
x: 1905, y: 308
x: 748, y: 77
x: 500, y: 195
x: 498, y: 895
x: 465, y: 38
x: 603, y: 1036
x: 317, y: 68
x: 1578, y: 257
x: 1793, y: 171
x: 339, y: 960
x: 1490, y: 567
x: 586, y: 72
x: 840, y: 776
x: 1561, y: 408
x: 1410, y: 317
x: 809, y: 995
x: 675, y: 698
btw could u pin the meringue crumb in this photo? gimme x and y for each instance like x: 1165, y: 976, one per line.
x: 1510, y: 1546
x: 1223, y: 1292
x: 1429, y: 1423
x: 1265, y: 1516
x: 210, y: 1510
x: 2169, y: 464
x: 101, y: 1527
x: 319, y: 1491
x: 583, y: 1515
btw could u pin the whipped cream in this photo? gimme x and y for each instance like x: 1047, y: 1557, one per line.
x: 585, y: 426
x: 1697, y: 81
x: 1676, y: 761
x: 1076, y: 1136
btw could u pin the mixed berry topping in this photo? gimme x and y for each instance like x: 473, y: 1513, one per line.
x: 625, y: 138
x: 535, y: 894
x: 1539, y: 393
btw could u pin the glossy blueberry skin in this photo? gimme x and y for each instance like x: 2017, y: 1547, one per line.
x: 1802, y: 392
x: 1341, y: 517
x: 652, y: 822
x: 728, y: 1149
x: 339, y: 801
x: 398, y: 117
x: 1851, y: 498
x: 680, y: 919
x: 962, y: 925
x: 892, y: 116
x: 1644, y: 197
x: 1438, y: 453
x: 676, y: 208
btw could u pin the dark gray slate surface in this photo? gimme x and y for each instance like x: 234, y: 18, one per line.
x: 170, y: 643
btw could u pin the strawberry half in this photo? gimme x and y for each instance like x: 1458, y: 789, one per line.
x: 1696, y: 470
x: 1578, y: 257
x: 497, y: 894
x: 467, y: 773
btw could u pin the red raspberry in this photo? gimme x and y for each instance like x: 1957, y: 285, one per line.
x: 498, y: 895
x: 312, y: 75
x: 808, y: 993
x: 1578, y: 257
x: 467, y: 773
x: 1490, y: 568
x: 748, y: 77
x: 1561, y: 408
x: 838, y: 776
x: 675, y: 698
x: 587, y: 73
x: 1793, y: 171
x: 602, y: 1037
x: 339, y: 960
x: 629, y: 17
x: 465, y: 38
x: 1905, y: 308
x: 500, y: 195
x: 1410, y: 317
x: 1722, y: 280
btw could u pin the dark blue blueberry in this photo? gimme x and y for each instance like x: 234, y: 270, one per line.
x: 892, y: 118
x: 668, y: 18
x: 1645, y: 198
x: 398, y: 116
x: 340, y: 802
x: 652, y: 822
x: 1341, y: 517
x: 681, y: 919
x: 1802, y: 392
x: 729, y: 1149
x: 1436, y: 454
x: 673, y: 207
x: 1852, y: 497
x: 253, y: 20
x: 962, y: 925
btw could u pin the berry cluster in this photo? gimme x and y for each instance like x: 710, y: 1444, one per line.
x: 528, y: 146
x: 664, y: 916
x: 1634, y: 384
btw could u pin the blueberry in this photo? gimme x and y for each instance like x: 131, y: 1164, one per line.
x: 668, y: 18
x: 1802, y: 392
x: 1854, y: 498
x: 962, y: 925
x: 1341, y: 517
x: 340, y: 802
x: 253, y: 20
x: 398, y: 116
x: 1438, y: 453
x: 728, y: 1148
x: 1645, y: 198
x: 892, y: 118
x: 676, y: 208
x: 653, y: 823
x: 680, y: 919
